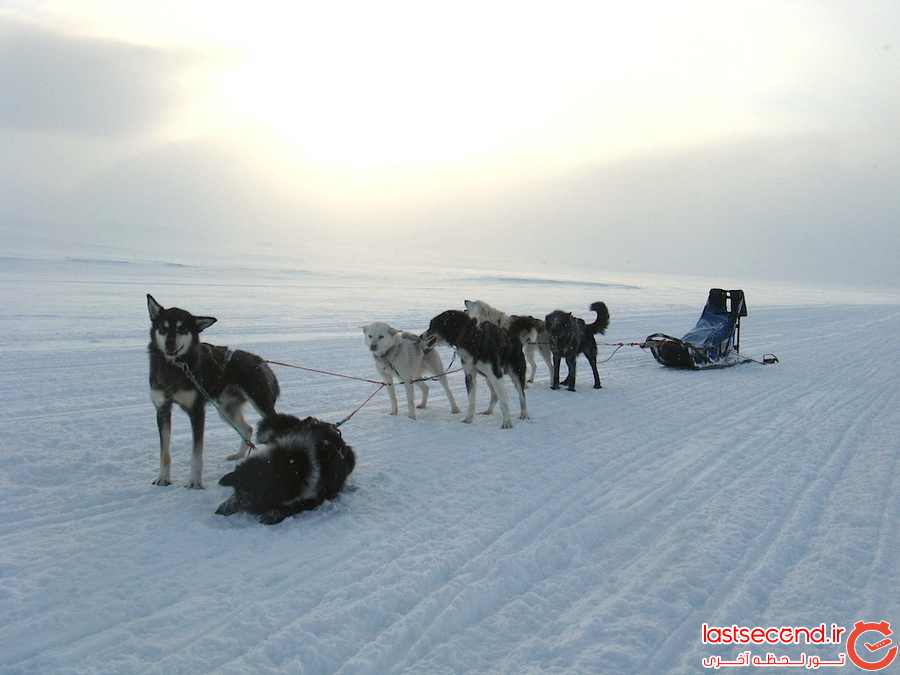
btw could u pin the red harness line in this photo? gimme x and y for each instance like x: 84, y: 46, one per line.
x: 361, y: 405
x: 360, y: 379
x: 325, y: 372
x: 381, y: 385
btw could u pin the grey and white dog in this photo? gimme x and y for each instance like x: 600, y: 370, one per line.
x: 231, y: 377
x: 532, y: 332
x: 401, y: 354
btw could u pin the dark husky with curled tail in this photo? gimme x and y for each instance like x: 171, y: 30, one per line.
x: 302, y: 464
x: 570, y: 336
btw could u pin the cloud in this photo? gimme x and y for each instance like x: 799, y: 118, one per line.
x: 806, y: 193
x: 53, y: 82
x: 793, y: 207
x: 177, y: 199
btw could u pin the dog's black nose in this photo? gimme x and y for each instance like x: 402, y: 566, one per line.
x: 373, y: 347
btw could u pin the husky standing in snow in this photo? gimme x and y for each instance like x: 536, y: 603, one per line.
x: 402, y: 354
x: 232, y: 377
x: 485, y: 349
x: 532, y: 333
x: 301, y: 464
x: 571, y: 336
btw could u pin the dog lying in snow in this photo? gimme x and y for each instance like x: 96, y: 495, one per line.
x: 531, y: 332
x: 301, y: 464
x: 485, y: 349
x: 402, y: 354
x: 570, y: 336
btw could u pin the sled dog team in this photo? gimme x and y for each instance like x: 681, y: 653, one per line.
x: 302, y: 463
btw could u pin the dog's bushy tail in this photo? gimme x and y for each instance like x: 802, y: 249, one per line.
x: 602, y: 322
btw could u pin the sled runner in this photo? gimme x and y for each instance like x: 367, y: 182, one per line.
x: 713, y: 343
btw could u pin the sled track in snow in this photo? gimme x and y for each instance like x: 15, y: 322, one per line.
x: 595, y: 538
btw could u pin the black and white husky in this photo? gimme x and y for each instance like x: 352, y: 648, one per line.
x: 402, y: 354
x: 532, y: 332
x: 231, y: 377
x: 485, y: 349
x: 301, y: 464
x: 571, y: 336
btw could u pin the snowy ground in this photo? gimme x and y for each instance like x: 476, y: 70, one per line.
x: 595, y: 538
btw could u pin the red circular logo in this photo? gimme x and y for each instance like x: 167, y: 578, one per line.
x: 860, y: 627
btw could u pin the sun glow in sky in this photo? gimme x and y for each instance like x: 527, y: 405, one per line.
x: 469, y: 87
x: 582, y: 128
x: 496, y: 85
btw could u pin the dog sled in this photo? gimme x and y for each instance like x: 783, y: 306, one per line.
x: 714, y: 342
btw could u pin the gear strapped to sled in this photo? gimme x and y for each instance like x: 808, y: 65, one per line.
x: 714, y: 342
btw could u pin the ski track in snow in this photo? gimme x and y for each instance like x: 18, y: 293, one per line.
x: 595, y: 538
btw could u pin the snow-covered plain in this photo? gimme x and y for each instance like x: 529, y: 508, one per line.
x: 595, y: 538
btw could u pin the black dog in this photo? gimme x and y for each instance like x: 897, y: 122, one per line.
x: 483, y: 348
x: 303, y: 463
x: 570, y: 336
x: 231, y: 377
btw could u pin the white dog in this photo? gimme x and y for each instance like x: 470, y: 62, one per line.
x: 531, y: 332
x: 402, y: 354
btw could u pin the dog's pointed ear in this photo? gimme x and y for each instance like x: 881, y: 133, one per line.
x: 153, y: 307
x: 204, y: 322
x: 393, y: 331
x: 227, y: 480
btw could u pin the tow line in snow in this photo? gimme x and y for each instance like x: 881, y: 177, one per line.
x: 714, y: 343
x: 381, y: 384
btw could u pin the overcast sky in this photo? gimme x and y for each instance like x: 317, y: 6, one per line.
x: 759, y: 138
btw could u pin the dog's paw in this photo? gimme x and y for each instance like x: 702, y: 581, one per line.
x: 272, y: 517
x: 394, y: 412
x: 523, y: 416
x: 422, y: 406
x: 598, y: 386
x: 454, y: 410
x: 554, y: 387
x: 571, y: 387
x: 486, y: 412
x: 467, y: 420
x: 507, y: 424
x: 227, y: 508
x: 194, y: 485
x: 162, y: 482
